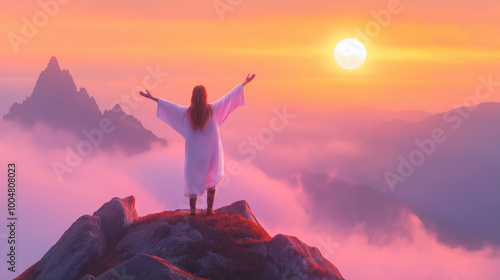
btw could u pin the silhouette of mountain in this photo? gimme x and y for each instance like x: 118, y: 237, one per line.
x: 458, y: 180
x: 343, y: 206
x: 445, y: 166
x: 127, y: 127
x: 56, y: 102
x: 114, y: 243
x: 346, y: 206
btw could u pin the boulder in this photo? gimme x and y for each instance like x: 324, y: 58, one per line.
x: 241, y: 208
x: 292, y: 259
x: 81, y: 242
x: 116, y: 215
x: 146, y: 267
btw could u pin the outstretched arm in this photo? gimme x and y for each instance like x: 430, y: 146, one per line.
x: 248, y: 79
x: 232, y: 100
x: 148, y: 95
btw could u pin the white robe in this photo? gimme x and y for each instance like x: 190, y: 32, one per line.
x: 204, y: 157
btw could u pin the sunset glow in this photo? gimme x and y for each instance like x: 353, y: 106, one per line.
x: 350, y: 54
x: 369, y: 131
x: 438, y: 55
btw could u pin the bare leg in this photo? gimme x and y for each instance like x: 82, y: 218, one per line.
x: 192, y: 204
x: 210, y: 201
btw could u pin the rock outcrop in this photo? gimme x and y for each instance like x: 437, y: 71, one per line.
x: 241, y: 208
x: 292, y: 259
x: 115, y: 243
x: 116, y: 216
x: 82, y: 242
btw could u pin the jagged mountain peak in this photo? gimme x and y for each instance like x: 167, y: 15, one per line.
x: 53, y: 74
x: 53, y: 65
x: 117, y: 108
x: 56, y: 102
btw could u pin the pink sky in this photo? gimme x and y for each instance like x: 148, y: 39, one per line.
x: 429, y: 56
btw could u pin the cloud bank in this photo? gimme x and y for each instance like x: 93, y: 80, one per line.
x: 48, y: 206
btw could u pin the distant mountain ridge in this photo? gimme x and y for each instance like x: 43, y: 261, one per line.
x: 459, y: 180
x: 344, y: 206
x: 56, y: 102
x: 453, y: 181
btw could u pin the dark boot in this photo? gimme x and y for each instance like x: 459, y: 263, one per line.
x: 192, y: 204
x: 210, y: 201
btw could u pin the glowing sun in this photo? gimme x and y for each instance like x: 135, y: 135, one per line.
x: 349, y: 54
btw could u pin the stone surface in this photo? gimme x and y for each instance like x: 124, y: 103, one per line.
x: 241, y: 208
x: 82, y: 242
x: 290, y: 258
x: 172, y: 245
x: 116, y: 216
x: 160, y: 239
x: 146, y: 267
x: 213, y: 261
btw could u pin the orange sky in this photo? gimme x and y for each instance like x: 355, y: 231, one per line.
x: 427, y: 56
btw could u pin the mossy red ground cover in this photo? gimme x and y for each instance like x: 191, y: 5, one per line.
x: 97, y: 267
x: 228, y: 235
x: 29, y: 274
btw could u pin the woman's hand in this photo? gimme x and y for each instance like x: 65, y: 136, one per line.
x: 248, y: 79
x: 148, y: 95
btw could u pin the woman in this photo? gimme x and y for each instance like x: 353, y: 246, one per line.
x: 199, y: 125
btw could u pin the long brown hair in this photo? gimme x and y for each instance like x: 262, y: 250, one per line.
x: 200, y: 112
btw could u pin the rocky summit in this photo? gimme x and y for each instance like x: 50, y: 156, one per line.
x: 115, y: 244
